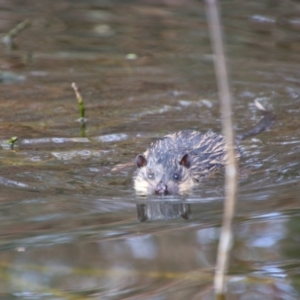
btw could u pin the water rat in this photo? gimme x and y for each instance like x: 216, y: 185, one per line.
x: 175, y: 163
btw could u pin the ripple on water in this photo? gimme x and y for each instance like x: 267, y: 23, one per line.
x: 73, y: 154
x: 116, y: 137
x: 68, y: 214
x: 55, y: 140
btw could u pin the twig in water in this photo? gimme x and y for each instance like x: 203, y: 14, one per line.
x: 231, y: 166
x: 120, y: 167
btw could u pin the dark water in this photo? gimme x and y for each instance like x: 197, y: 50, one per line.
x: 69, y: 224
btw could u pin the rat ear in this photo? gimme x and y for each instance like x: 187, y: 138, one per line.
x: 185, y: 161
x: 141, y: 161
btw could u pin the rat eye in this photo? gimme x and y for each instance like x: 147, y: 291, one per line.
x: 176, y: 176
x: 150, y: 175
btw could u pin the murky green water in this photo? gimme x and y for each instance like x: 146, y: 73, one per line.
x: 69, y: 224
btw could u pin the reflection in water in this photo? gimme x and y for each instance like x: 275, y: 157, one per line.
x: 69, y: 228
x: 162, y: 210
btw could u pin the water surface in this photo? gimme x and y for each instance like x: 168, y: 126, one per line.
x: 70, y: 226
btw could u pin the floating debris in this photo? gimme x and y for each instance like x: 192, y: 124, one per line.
x: 131, y: 56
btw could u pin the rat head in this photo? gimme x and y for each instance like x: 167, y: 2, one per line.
x: 163, y: 175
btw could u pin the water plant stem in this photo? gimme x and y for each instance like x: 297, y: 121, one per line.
x: 81, y: 108
x: 8, y: 38
x: 80, y: 102
x: 231, y: 185
x: 12, y: 142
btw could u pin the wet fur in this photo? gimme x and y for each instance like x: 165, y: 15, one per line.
x: 205, y: 151
x: 175, y: 163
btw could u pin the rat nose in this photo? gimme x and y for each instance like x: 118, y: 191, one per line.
x: 161, y: 189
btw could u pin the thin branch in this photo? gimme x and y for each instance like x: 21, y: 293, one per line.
x: 231, y: 166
